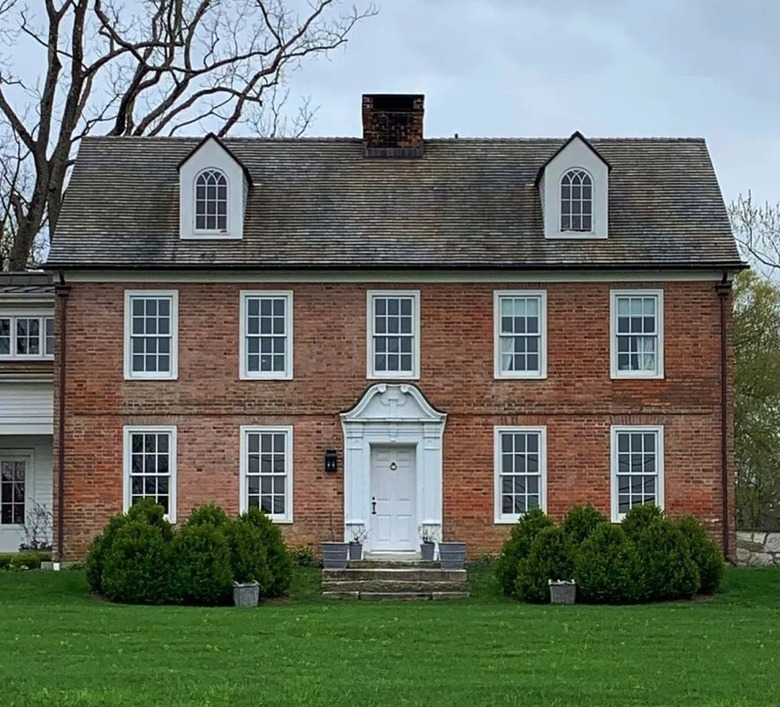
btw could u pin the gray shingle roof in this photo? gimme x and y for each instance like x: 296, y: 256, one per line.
x: 320, y: 203
x: 26, y: 283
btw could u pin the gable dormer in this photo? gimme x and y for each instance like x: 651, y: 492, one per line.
x: 213, y: 184
x: 574, y: 190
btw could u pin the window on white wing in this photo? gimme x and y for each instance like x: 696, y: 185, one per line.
x: 393, y: 334
x: 520, y: 334
x: 576, y: 201
x: 267, y: 475
x: 637, y: 473
x: 520, y: 467
x: 637, y: 333
x: 151, y: 335
x: 151, y: 467
x: 211, y: 201
x: 26, y: 336
x: 267, y: 335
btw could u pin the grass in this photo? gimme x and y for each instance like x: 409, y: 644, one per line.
x: 60, y: 646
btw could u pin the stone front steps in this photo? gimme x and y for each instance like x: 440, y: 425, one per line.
x: 407, y: 581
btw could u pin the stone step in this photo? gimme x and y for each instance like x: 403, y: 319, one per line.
x: 413, y: 574
x: 395, y: 596
x: 363, y: 564
x: 397, y: 585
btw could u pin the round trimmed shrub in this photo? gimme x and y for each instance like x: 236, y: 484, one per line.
x: 606, y: 568
x: 136, y: 564
x: 278, y: 558
x: 550, y: 558
x: 518, y: 547
x: 640, y: 517
x: 704, y: 552
x: 665, y: 557
x: 248, y: 556
x: 580, y: 522
x: 202, y: 572
x: 209, y: 514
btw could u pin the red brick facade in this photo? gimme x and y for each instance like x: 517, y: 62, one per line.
x: 208, y: 403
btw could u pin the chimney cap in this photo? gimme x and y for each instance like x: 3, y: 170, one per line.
x: 394, y: 102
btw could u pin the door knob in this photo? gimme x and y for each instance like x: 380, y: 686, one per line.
x: 373, y: 505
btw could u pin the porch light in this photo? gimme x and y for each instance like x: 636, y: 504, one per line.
x: 331, y: 461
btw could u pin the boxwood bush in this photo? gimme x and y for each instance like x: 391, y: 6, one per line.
x: 140, y: 558
x: 551, y: 557
x: 704, y: 552
x: 580, y: 522
x: 664, y: 555
x: 518, y: 547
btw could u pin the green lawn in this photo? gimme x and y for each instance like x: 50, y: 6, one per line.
x: 60, y: 646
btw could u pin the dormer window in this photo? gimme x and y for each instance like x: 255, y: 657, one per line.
x: 576, y: 201
x: 213, y: 189
x: 211, y: 202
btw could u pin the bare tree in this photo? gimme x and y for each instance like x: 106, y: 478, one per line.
x: 147, y: 67
x: 757, y: 230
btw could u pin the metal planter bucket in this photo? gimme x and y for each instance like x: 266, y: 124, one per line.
x: 426, y: 551
x: 452, y: 555
x: 562, y: 591
x: 355, y: 551
x: 334, y: 556
x: 247, y: 594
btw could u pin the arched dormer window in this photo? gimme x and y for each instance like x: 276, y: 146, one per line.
x: 211, y: 201
x: 577, y: 201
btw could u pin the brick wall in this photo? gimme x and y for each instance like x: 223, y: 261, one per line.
x: 578, y: 401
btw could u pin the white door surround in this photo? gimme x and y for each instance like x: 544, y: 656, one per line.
x: 390, y: 417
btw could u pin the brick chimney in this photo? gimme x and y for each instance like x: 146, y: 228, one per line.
x: 393, y: 125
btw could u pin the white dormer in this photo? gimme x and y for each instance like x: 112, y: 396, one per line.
x: 574, y: 190
x: 213, y: 185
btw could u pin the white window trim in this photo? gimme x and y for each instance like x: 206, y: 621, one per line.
x: 174, y: 372
x: 29, y: 481
x: 499, y: 517
x: 32, y: 314
x: 245, y: 374
x: 243, y: 467
x: 529, y: 375
x: 658, y: 374
x: 210, y: 232
x: 127, y: 464
x: 371, y: 374
x: 614, y: 430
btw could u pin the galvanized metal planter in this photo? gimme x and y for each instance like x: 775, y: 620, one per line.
x: 562, y: 591
x: 426, y: 551
x: 334, y: 555
x: 356, y: 551
x: 452, y: 555
x: 246, y: 594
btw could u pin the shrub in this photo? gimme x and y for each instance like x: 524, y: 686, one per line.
x: 550, y: 558
x: 518, y: 546
x: 209, y: 515
x: 279, y: 561
x: 303, y: 556
x: 248, y: 556
x: 202, y: 572
x: 640, y: 517
x: 28, y: 559
x: 580, y: 522
x: 606, y: 568
x: 136, y: 564
x: 704, y: 552
x: 665, y: 557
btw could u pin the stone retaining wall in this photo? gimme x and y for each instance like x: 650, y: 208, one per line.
x: 758, y: 549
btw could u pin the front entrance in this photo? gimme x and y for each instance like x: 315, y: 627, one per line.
x: 393, y: 522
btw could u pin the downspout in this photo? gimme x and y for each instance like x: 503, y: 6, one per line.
x: 723, y: 289
x: 62, y: 290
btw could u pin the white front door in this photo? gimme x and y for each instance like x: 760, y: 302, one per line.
x: 14, y: 481
x: 393, y: 525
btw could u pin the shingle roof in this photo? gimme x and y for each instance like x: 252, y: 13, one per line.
x: 26, y: 283
x: 321, y: 203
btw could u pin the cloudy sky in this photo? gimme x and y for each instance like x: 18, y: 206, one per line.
x: 706, y: 68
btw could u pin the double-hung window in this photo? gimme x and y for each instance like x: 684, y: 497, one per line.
x: 520, y: 471
x: 266, y: 335
x: 150, y: 467
x: 637, y: 468
x: 393, y: 334
x: 637, y: 349
x: 151, y: 334
x: 266, y: 471
x: 520, y: 334
x: 26, y: 336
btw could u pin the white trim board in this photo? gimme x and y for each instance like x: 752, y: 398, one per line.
x: 395, y: 276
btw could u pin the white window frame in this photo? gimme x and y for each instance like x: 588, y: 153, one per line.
x: 615, y: 430
x: 501, y: 518
x: 210, y: 232
x: 287, y: 430
x: 42, y: 318
x: 371, y: 373
x: 658, y: 373
x: 244, y: 372
x: 173, y: 374
x: 28, y: 456
x: 498, y: 373
x: 170, y: 430
x: 584, y: 233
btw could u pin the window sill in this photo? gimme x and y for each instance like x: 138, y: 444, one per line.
x: 151, y: 378
x: 636, y: 376
x: 393, y: 376
x: 210, y: 236
x: 576, y: 236
x: 520, y: 377
x: 258, y: 377
x: 26, y: 358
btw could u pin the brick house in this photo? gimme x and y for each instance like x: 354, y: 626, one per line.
x: 392, y: 333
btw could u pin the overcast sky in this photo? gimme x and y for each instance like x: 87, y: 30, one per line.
x: 507, y: 68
